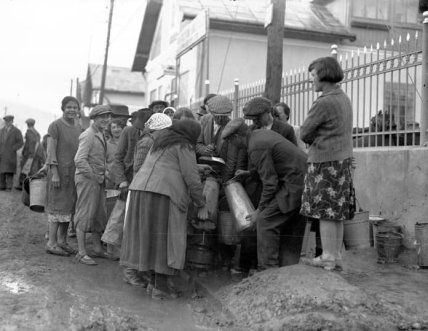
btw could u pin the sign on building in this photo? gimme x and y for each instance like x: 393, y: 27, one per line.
x: 193, y: 33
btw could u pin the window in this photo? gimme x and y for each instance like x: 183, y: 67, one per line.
x: 384, y: 12
x: 160, y: 93
x: 399, y: 101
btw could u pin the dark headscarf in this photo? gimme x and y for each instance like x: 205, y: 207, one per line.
x: 184, y: 133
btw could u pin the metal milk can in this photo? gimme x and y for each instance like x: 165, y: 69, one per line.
x: 239, y: 203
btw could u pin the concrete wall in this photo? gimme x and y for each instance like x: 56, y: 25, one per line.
x: 392, y: 182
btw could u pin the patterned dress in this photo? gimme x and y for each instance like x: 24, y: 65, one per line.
x: 328, y: 191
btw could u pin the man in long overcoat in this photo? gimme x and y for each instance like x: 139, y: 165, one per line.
x: 10, y: 141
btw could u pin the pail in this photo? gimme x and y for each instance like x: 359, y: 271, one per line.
x: 388, y: 246
x: 38, y: 195
x: 211, y: 191
x: 374, y: 221
x: 239, y: 204
x: 200, y: 255
x: 421, y: 234
x: 356, y: 232
x: 226, y: 229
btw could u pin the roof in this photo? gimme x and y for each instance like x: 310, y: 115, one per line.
x: 299, y: 15
x: 118, y: 79
x: 304, y: 19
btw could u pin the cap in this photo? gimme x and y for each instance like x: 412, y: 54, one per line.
x: 99, y: 110
x: 220, y: 105
x: 30, y: 121
x: 158, y: 102
x: 119, y: 110
x: 256, y: 106
x: 158, y: 121
x: 8, y: 117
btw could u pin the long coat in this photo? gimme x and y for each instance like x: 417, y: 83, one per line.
x: 10, y: 141
x: 32, y: 137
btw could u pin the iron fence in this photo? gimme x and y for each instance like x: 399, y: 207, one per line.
x: 383, y: 82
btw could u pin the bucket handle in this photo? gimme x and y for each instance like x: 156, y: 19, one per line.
x: 394, y: 232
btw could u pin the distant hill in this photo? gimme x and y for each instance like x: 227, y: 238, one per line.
x: 23, y: 111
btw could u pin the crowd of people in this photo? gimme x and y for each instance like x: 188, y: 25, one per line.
x: 152, y: 169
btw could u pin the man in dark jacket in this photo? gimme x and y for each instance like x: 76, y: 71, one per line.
x: 281, y: 167
x: 260, y: 111
x: 10, y: 141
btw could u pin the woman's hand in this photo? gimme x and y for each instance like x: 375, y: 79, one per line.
x: 241, y: 174
x: 55, y: 180
x: 203, y: 213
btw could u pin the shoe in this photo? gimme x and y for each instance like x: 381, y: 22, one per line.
x: 162, y: 295
x: 66, y: 247
x: 130, y: 276
x: 101, y: 255
x: 85, y: 259
x: 56, y: 250
x: 339, y: 265
x: 319, y: 262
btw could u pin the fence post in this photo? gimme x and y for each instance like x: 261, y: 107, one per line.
x: 334, y: 51
x: 424, y: 79
x: 236, y: 97
x: 207, y: 87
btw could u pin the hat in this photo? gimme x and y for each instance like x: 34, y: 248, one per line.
x: 143, y: 115
x: 99, y: 110
x: 158, y: 121
x: 8, y: 118
x: 256, y: 106
x: 169, y: 108
x: 30, y: 121
x: 220, y: 105
x: 119, y: 110
x: 158, y: 102
x: 236, y: 125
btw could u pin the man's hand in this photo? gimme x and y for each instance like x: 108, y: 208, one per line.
x: 252, y: 217
x: 123, y: 184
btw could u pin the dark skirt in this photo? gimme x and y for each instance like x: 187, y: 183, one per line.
x: 145, y: 235
x: 328, y: 189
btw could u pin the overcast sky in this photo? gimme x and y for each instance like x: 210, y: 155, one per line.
x: 46, y: 43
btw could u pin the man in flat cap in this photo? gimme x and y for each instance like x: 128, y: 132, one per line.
x: 210, y: 141
x: 90, y: 161
x: 157, y: 106
x: 281, y: 167
x: 259, y: 110
x: 10, y: 141
x: 31, y: 144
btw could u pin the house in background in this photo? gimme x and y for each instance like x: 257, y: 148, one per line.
x: 122, y: 86
x: 184, y: 43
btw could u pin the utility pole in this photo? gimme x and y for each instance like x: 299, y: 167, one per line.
x: 71, y: 86
x: 103, y: 77
x: 275, y: 32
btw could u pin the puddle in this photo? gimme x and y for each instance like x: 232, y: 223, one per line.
x: 14, y: 285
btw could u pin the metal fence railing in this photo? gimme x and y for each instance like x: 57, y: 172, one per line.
x: 384, y: 84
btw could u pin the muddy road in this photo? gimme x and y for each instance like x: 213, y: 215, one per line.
x: 39, y: 291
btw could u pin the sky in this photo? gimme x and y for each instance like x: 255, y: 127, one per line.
x: 46, y: 43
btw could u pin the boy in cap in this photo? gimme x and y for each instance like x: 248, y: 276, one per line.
x: 259, y: 110
x: 90, y: 161
x: 10, y: 141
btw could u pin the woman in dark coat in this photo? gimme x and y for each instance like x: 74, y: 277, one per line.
x: 155, y: 231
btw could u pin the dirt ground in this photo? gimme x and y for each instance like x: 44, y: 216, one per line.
x: 46, y: 292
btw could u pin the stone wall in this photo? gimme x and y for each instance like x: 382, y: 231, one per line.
x: 392, y: 182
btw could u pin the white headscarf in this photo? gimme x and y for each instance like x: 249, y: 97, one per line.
x: 158, y: 121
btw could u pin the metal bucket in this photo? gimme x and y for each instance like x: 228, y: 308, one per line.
x: 211, y: 192
x: 239, y: 203
x: 200, y: 255
x: 226, y: 228
x: 421, y: 234
x: 356, y: 232
x: 388, y: 246
x: 38, y: 195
